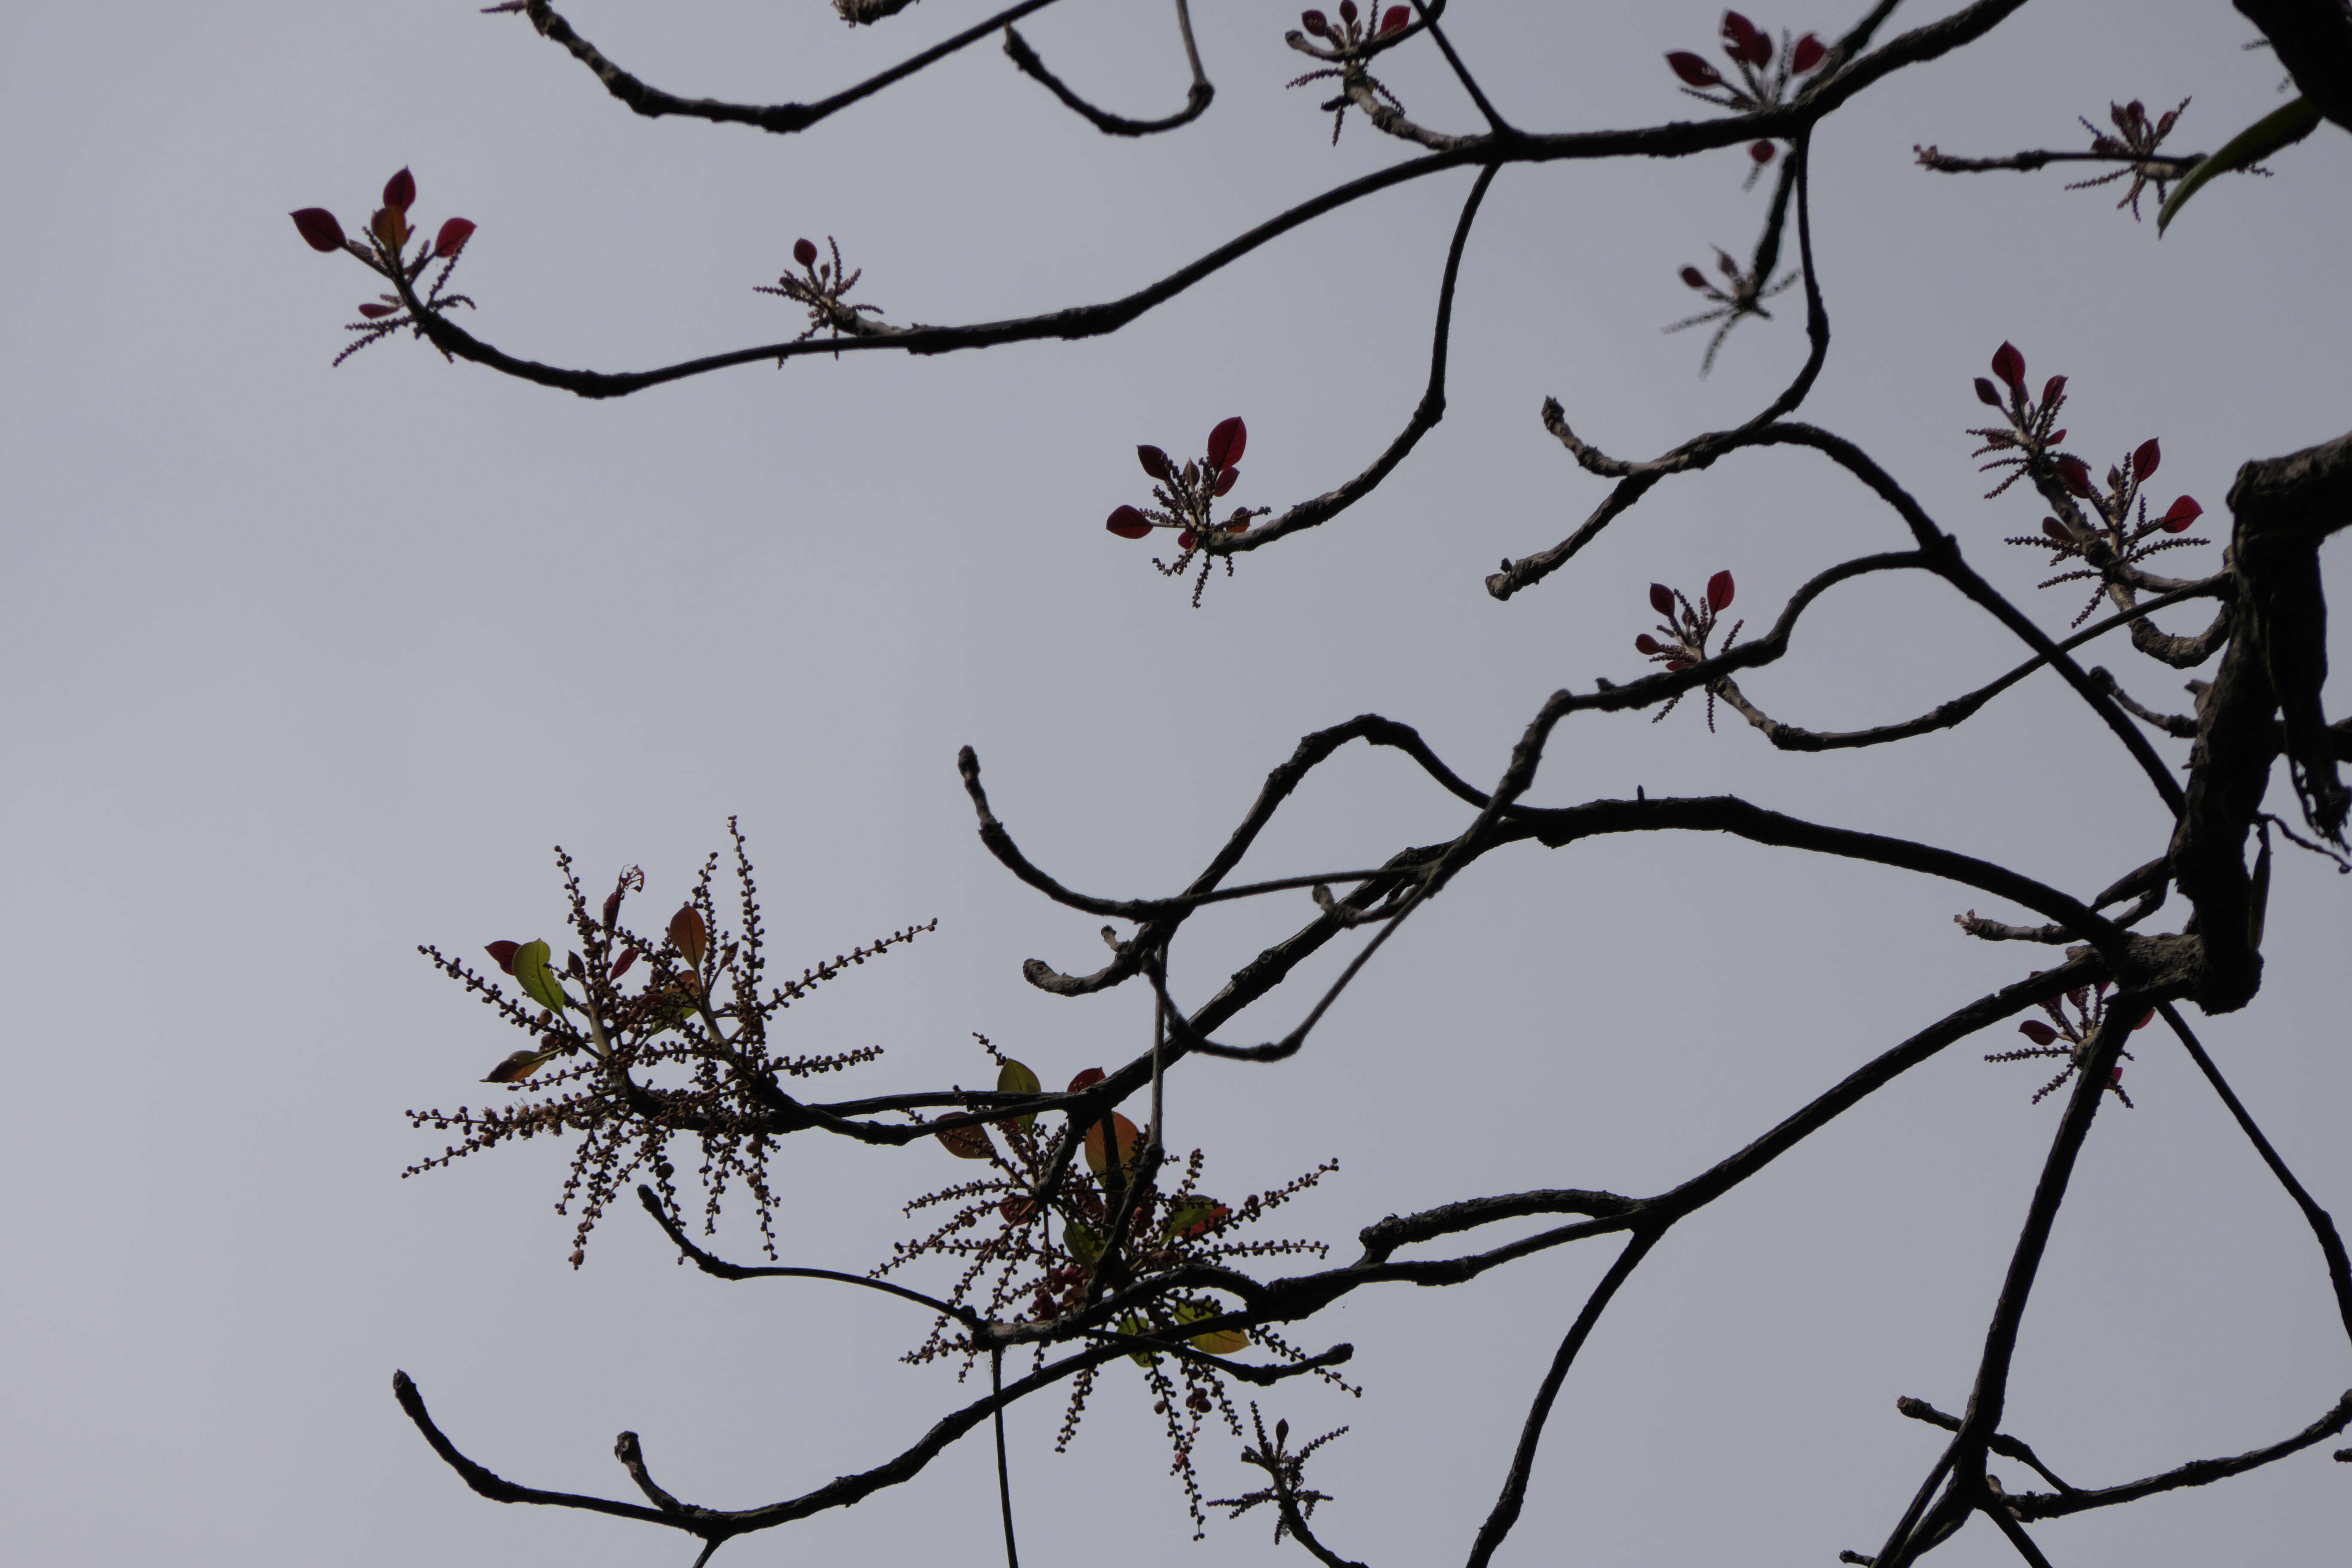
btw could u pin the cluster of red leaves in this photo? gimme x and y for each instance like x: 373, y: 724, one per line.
x: 385, y: 251
x: 1185, y: 498
x: 2110, y: 528
x: 1347, y: 47
x: 1350, y: 30
x: 1759, y: 85
x: 1687, y: 627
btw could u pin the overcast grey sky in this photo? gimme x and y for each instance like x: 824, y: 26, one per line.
x: 300, y: 668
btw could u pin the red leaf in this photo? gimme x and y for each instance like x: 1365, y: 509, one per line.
x: 1742, y: 41
x: 1238, y: 525
x: 1154, y: 461
x: 1184, y: 539
x: 628, y: 956
x: 374, y: 313
x: 1694, y: 277
x: 2144, y: 1018
x: 1645, y: 643
x: 805, y: 252
x: 2056, y: 436
x: 2010, y: 365
x: 453, y: 236
x: 2040, y: 1032
x: 2057, y: 531
x: 1314, y: 22
x: 1719, y: 591
x: 2144, y: 461
x: 2184, y: 511
x: 1693, y: 70
x: 2052, y: 390
x: 1678, y: 664
x: 1017, y: 1210
x: 1760, y: 151
x: 1395, y: 20
x: 691, y: 937
x: 503, y: 954
x: 1988, y: 393
x: 400, y: 190
x: 1086, y: 1079
x: 1661, y: 598
x: 1226, y: 441
x: 1226, y: 478
x: 1346, y: 10
x: 2076, y: 476
x: 1128, y: 523
x: 1807, y: 53
x: 319, y: 228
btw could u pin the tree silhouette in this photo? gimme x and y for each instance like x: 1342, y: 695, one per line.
x: 1087, y: 1237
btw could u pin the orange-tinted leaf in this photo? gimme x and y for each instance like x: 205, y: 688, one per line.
x: 692, y: 937
x: 319, y: 228
x: 966, y: 1142
x: 1129, y: 1140
x: 518, y: 1066
x: 1086, y: 1079
x: 390, y: 226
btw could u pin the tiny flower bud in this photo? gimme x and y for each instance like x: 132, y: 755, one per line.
x: 1762, y: 152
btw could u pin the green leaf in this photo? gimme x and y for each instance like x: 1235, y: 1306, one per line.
x: 537, y: 980
x: 2281, y: 128
x: 1013, y: 1078
x: 1082, y: 1242
x: 1131, y: 1324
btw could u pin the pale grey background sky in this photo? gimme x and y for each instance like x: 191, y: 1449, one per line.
x: 304, y: 667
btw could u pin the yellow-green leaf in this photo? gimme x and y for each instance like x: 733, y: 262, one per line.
x: 2280, y: 128
x: 537, y: 980
x: 1013, y: 1078
x: 1216, y: 1341
x: 1131, y: 1324
x: 1081, y: 1242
